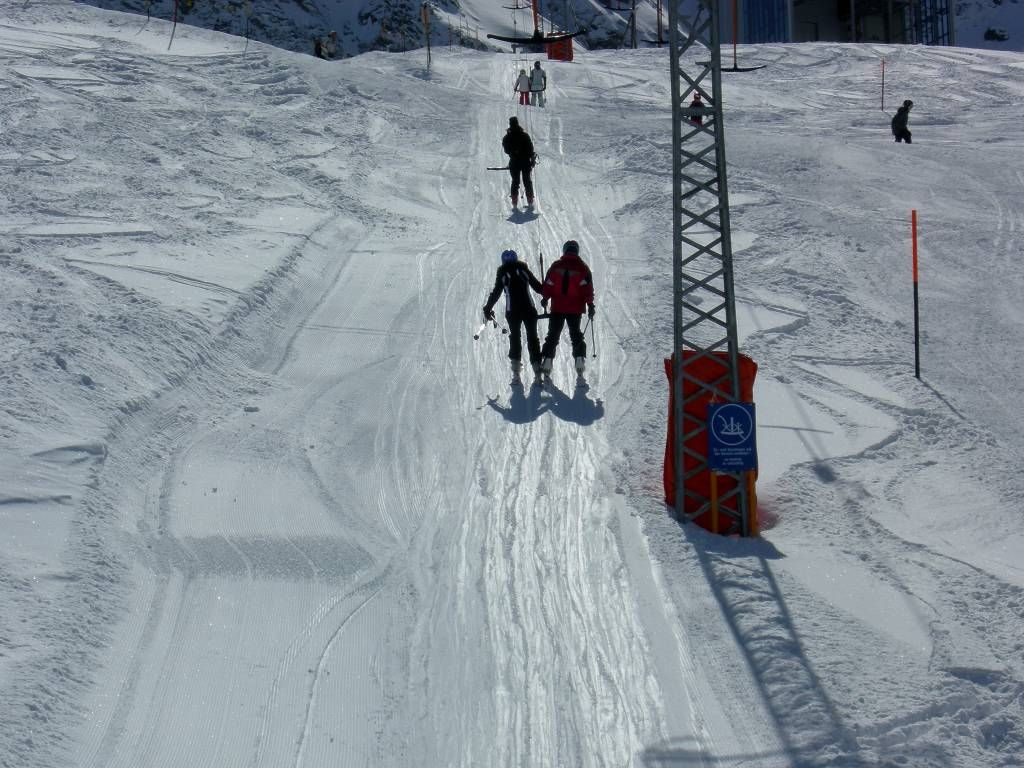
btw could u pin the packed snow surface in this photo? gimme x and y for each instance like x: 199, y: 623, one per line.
x: 264, y: 501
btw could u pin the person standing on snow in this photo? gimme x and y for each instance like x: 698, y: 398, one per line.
x: 696, y: 118
x: 330, y: 45
x: 515, y: 280
x: 521, y: 159
x: 899, y: 122
x: 538, y: 84
x: 569, y: 286
x: 522, y: 86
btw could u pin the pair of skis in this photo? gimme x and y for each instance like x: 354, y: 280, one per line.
x: 539, y: 380
x: 543, y: 381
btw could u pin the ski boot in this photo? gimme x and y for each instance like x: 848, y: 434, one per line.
x: 543, y: 369
x: 516, y: 368
x: 515, y: 201
x: 581, y: 381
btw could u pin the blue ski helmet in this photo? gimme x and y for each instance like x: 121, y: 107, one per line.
x: 507, y: 257
x: 571, y: 246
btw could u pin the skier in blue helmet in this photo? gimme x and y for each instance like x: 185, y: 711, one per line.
x: 515, y: 280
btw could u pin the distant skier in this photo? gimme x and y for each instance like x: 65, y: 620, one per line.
x: 522, y: 86
x: 569, y: 286
x: 318, y: 48
x: 899, y: 122
x: 538, y: 84
x: 521, y: 159
x: 515, y: 280
x: 330, y: 45
x: 697, y: 119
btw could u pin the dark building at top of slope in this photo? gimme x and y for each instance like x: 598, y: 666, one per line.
x: 927, y: 22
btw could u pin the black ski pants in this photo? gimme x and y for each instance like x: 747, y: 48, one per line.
x: 516, y: 323
x: 903, y: 135
x: 524, y: 171
x: 555, y: 324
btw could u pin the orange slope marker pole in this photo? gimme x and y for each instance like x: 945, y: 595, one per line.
x: 917, y: 325
x: 752, y: 526
x: 714, y: 502
x: 174, y: 26
x: 883, y: 85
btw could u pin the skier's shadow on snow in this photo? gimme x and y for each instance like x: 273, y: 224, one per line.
x: 522, y: 217
x: 579, y: 408
x: 526, y: 404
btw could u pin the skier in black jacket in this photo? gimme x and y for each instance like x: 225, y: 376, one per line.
x: 516, y: 280
x: 899, y: 122
x: 521, y: 159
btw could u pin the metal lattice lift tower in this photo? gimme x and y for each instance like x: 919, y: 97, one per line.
x: 704, y: 299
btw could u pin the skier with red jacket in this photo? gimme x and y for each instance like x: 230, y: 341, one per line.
x: 569, y: 286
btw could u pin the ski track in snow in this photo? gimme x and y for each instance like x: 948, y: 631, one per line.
x: 298, y: 516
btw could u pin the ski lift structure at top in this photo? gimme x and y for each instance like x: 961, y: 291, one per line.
x: 625, y: 6
x: 538, y: 37
x: 735, y: 29
x: 735, y: 65
x: 661, y: 38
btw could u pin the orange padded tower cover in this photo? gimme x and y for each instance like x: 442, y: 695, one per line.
x: 706, y: 370
x: 560, y: 50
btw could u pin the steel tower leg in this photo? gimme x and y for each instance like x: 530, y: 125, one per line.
x: 704, y: 312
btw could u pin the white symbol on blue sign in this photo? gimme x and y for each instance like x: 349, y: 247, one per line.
x: 731, y: 442
x: 731, y: 425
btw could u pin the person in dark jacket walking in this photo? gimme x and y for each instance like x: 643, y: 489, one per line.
x: 899, y: 122
x: 515, y: 280
x: 521, y: 159
x: 569, y: 287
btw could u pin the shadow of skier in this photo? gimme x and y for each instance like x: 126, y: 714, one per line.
x: 579, y: 408
x: 524, y: 405
x: 522, y: 217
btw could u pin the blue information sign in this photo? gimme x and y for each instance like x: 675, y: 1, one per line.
x: 732, y: 444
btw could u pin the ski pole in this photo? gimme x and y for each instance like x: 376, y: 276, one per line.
x: 543, y: 279
x: 483, y: 326
x: 593, y: 339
